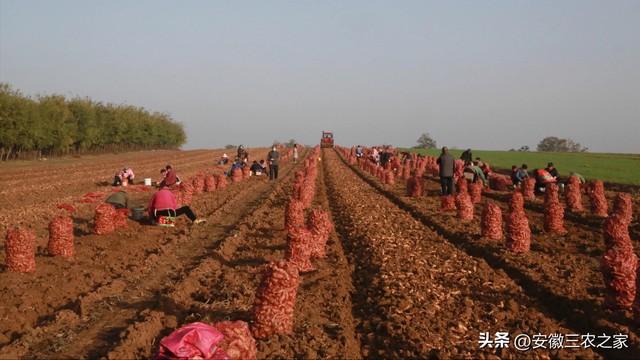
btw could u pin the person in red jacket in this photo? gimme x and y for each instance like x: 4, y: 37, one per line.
x: 163, y: 203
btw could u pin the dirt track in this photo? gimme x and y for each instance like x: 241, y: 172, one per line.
x: 401, y: 279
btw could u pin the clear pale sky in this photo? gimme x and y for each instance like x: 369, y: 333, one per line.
x: 490, y: 75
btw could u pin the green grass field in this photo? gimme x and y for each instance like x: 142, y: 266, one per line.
x: 620, y: 168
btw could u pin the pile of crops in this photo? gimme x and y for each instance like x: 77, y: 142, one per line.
x: 222, y: 181
x: 18, y: 244
x: 121, y: 220
x: 209, y: 183
x: 238, y: 342
x: 491, y: 222
x: 618, y: 268
x: 389, y: 179
x: 105, y: 219
x: 178, y: 196
x: 198, y: 185
x: 464, y: 207
x: 475, y: 191
x: 415, y: 186
x: 306, y: 194
x: 597, y: 201
x: 554, y: 217
x: 572, y: 193
x: 516, y: 202
x: 518, y: 232
x: 299, y: 244
x: 461, y: 184
x: 622, y: 207
x: 236, y: 175
x: 272, y: 311
x: 400, y: 171
x: 246, y: 172
x: 448, y: 203
x: 528, y: 188
x: 320, y: 226
x: 293, y: 214
x: 61, y: 237
x: 616, y: 233
x: 186, y: 190
x: 551, y: 193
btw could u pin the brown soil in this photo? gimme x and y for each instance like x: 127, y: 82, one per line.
x: 400, y: 280
x: 560, y: 274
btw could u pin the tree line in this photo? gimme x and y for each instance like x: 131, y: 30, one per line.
x: 52, y: 125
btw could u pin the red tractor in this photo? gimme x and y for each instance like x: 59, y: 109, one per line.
x: 327, y: 140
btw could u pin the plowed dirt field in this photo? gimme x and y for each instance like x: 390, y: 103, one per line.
x: 401, y: 278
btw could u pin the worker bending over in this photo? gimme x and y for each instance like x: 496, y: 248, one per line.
x: 518, y: 174
x: 163, y: 203
x: 119, y: 200
x: 256, y: 168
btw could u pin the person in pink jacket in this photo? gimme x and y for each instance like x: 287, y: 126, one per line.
x: 163, y: 203
x: 125, y: 173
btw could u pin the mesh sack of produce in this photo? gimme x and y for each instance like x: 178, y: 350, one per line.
x: 306, y: 195
x: 178, y: 196
x: 238, y: 341
x: 528, y: 187
x: 518, y: 232
x: 597, y: 201
x: 448, y: 203
x: 407, y: 163
x: 193, y: 341
x: 18, y: 245
x: 297, y: 189
x: 186, y: 190
x: 61, y: 236
x: 293, y: 214
x: 413, y: 187
x: 554, y: 217
x: 622, y: 206
x: 464, y: 207
x: 516, y: 202
x: 400, y: 171
x: 320, y: 226
x: 616, y: 233
x: 491, y: 222
x: 209, y: 183
x: 298, y: 250
x: 419, y: 172
x: 222, y: 181
x: 272, y: 311
x: 573, y: 197
x: 299, y: 177
x: 551, y: 193
x: 389, y: 179
x: 407, y: 172
x: 619, y: 270
x: 475, y: 191
x: 387, y: 166
x: 236, y: 175
x: 121, y: 220
x: 306, y: 162
x: 105, y: 219
x: 492, y: 182
x: 501, y: 184
x: 198, y: 186
x: 246, y: 172
x: 461, y: 185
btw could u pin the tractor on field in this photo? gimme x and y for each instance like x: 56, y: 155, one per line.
x: 327, y: 140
